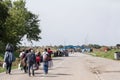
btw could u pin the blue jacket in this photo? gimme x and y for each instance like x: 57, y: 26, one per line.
x: 9, y: 57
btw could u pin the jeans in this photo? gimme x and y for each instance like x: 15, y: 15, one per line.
x: 30, y: 67
x: 25, y: 68
x: 45, y: 67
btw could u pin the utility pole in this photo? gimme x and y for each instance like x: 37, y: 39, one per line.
x: 86, y: 40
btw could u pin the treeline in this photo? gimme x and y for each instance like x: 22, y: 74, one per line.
x: 16, y: 22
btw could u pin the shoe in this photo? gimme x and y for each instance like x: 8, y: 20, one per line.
x: 25, y: 71
x: 29, y: 75
x: 9, y: 73
x: 32, y: 75
x: 6, y: 72
x: 46, y: 73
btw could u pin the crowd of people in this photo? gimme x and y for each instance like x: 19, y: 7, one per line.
x: 29, y: 60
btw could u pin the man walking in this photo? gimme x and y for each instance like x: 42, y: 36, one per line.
x: 50, y: 62
x: 31, y: 60
x: 9, y: 58
x: 45, y: 61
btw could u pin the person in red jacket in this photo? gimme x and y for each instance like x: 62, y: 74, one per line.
x: 38, y: 58
x: 50, y: 62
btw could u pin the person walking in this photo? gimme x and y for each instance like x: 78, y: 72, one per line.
x: 45, y: 61
x: 9, y: 58
x: 50, y: 62
x: 31, y: 60
x: 23, y: 59
x: 38, y: 58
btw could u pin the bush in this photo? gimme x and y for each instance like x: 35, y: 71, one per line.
x: 109, y: 54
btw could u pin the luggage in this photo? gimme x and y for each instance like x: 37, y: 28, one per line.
x: 35, y: 66
x: 4, y: 65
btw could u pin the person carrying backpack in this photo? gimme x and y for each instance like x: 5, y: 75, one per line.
x: 50, y: 62
x: 8, y: 59
x: 45, y: 61
x: 23, y: 63
x: 31, y: 60
x: 38, y: 58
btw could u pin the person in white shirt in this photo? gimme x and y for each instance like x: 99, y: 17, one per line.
x: 45, y: 61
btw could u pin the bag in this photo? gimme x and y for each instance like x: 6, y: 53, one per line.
x: 32, y: 58
x: 37, y: 58
x: 50, y: 63
x: 35, y: 67
x: 19, y: 66
x: 4, y: 65
x: 46, y: 58
x: 23, y: 55
x: 49, y: 57
x: 7, y: 57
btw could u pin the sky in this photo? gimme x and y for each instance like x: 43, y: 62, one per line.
x: 77, y: 22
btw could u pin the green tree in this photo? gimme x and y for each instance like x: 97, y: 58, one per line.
x: 3, y: 17
x: 60, y: 46
x: 96, y: 46
x: 20, y: 22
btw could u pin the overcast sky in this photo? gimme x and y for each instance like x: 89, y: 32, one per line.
x: 77, y: 22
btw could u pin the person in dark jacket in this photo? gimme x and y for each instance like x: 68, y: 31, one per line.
x: 8, y: 59
x: 50, y: 62
x: 31, y: 60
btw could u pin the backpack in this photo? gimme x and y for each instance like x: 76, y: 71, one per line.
x: 9, y: 57
x: 23, y: 55
x: 37, y: 58
x: 31, y: 58
x: 46, y: 58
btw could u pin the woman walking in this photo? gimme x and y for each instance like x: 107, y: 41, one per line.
x: 45, y: 61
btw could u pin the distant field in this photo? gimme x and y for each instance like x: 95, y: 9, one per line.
x: 109, y: 54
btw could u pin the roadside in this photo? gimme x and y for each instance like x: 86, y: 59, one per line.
x: 105, y: 69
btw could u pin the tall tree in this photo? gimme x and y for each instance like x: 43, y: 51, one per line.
x: 21, y: 22
x: 3, y: 17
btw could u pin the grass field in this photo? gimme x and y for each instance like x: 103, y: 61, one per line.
x: 109, y: 54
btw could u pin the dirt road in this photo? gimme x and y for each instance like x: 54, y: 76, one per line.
x: 77, y: 66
